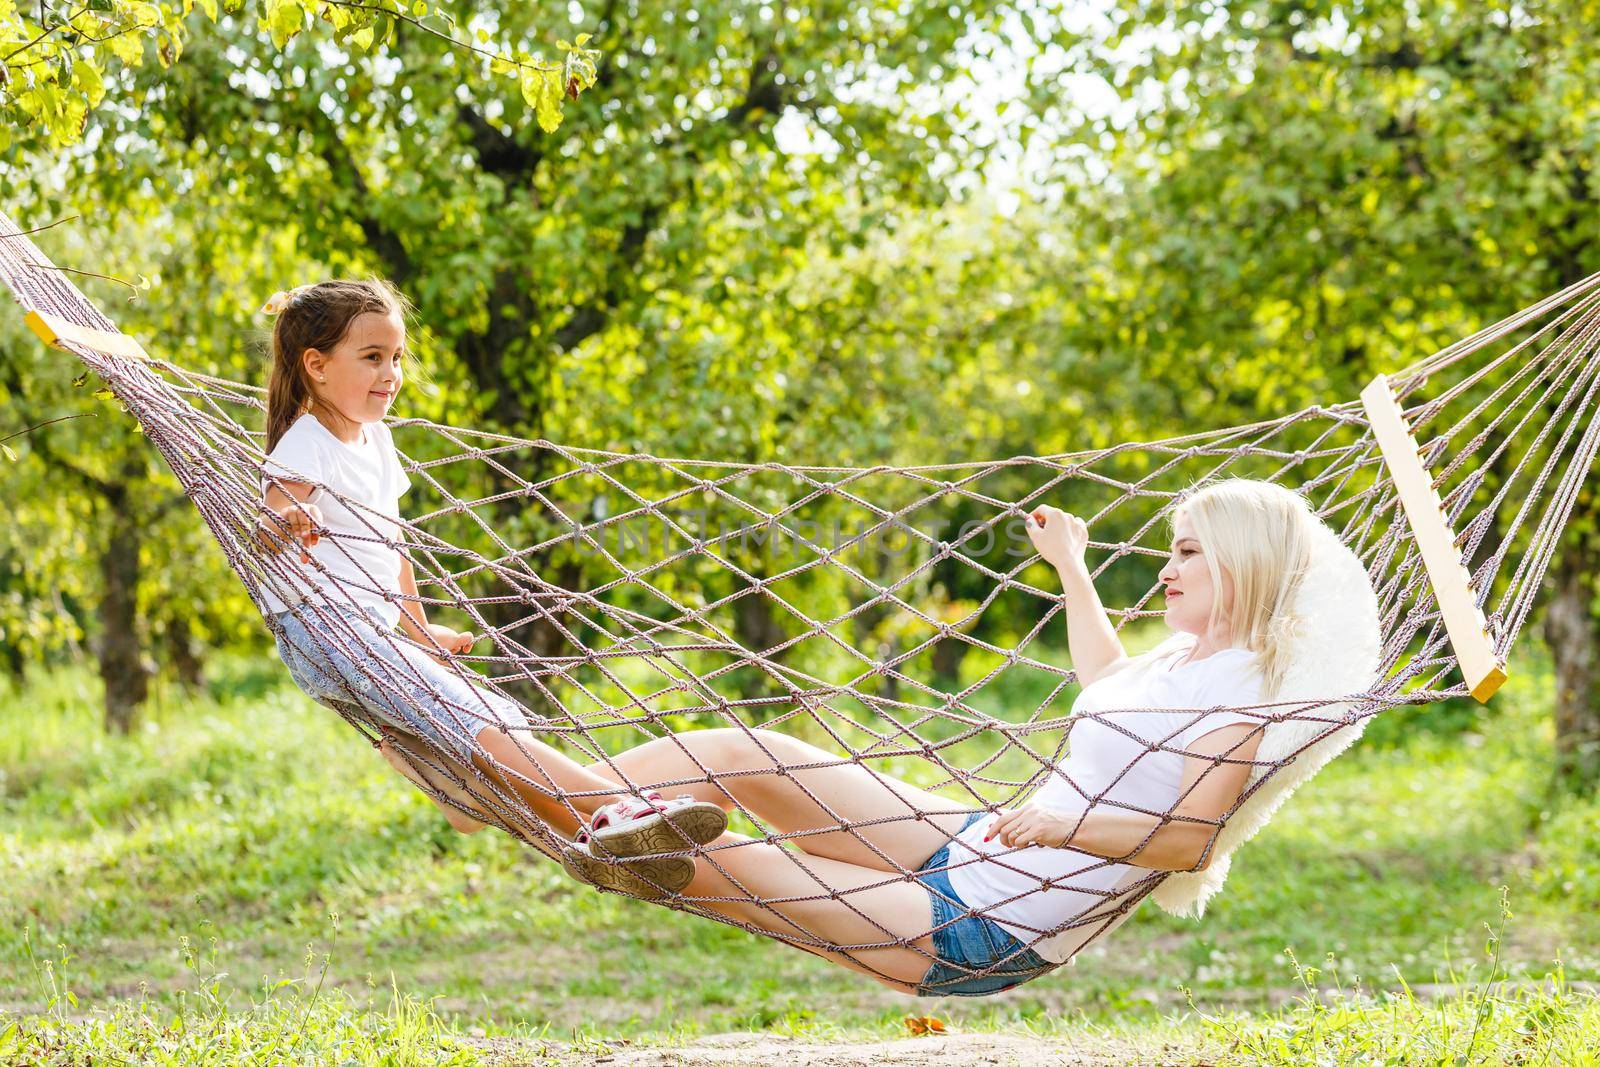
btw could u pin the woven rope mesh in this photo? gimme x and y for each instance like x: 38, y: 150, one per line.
x: 871, y: 613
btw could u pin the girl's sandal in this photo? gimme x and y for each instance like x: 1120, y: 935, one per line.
x: 622, y: 846
x: 643, y: 826
x: 646, y: 877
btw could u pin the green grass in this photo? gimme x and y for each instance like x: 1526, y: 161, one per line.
x: 245, y: 864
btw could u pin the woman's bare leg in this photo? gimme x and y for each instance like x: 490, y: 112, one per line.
x: 772, y: 888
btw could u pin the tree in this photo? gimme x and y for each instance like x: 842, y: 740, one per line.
x: 105, y: 542
x: 639, y: 258
x: 1302, y: 194
x: 58, y: 60
x: 629, y: 281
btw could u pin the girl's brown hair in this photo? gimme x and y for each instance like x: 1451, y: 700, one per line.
x: 317, y: 316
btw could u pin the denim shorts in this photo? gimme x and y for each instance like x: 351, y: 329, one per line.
x: 356, y: 664
x: 964, y: 943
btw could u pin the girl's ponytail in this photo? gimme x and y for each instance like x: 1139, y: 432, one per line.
x: 288, y: 390
x: 315, y: 316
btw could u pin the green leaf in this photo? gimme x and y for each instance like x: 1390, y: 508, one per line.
x: 87, y: 75
x: 128, y: 47
x: 285, y: 18
x: 9, y: 453
x: 541, y: 90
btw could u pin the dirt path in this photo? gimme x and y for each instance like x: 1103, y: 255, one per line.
x: 748, y: 1050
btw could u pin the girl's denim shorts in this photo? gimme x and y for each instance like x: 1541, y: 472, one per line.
x: 965, y: 943
x: 356, y: 664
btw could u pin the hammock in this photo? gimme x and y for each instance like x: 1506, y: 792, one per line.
x: 882, y: 612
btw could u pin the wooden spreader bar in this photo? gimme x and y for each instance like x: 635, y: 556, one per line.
x: 53, y: 330
x: 1463, y: 619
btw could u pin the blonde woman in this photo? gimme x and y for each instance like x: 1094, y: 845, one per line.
x: 1158, y: 756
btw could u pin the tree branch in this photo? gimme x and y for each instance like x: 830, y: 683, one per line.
x: 345, y: 171
x: 499, y: 153
x: 113, y: 493
x: 48, y: 31
x: 40, y: 445
x: 764, y: 93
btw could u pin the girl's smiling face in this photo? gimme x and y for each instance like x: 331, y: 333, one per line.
x: 357, y: 381
x: 1190, y: 591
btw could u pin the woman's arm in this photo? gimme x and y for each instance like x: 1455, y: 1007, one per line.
x: 1209, y: 791
x: 1092, y: 643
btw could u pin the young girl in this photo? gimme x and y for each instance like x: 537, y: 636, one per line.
x: 333, y: 483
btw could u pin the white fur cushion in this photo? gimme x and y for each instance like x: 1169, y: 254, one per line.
x: 1336, y: 650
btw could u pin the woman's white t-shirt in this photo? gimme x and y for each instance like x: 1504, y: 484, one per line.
x: 362, y: 564
x: 1110, y: 759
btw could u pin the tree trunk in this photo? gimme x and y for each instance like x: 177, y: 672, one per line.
x: 11, y: 662
x: 1572, y: 630
x: 757, y: 629
x: 948, y: 653
x: 185, y: 654
x: 122, y: 664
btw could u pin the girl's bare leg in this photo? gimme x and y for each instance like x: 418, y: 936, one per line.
x: 799, y: 789
x: 530, y: 770
x: 810, y: 798
x: 409, y: 758
x: 545, y: 778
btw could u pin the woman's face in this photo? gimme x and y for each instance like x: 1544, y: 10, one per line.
x: 1190, y: 592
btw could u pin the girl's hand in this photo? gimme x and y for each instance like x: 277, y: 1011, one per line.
x: 1057, y: 536
x: 455, y: 642
x: 297, y: 522
x: 1032, y: 826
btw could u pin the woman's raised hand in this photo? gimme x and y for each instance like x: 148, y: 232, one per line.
x: 1058, y: 536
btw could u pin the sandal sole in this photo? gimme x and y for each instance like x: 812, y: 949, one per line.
x: 670, y: 874
x: 677, y: 831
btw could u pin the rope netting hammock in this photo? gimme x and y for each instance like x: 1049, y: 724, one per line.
x: 892, y: 616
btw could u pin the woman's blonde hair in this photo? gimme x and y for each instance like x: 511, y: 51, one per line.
x: 1261, y: 535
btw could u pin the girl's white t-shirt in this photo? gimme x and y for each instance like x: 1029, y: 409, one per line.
x: 362, y: 564
x: 1110, y: 758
